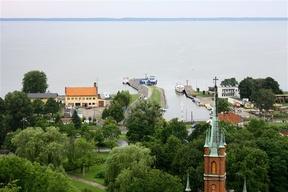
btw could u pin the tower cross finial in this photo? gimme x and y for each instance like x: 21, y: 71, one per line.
x: 215, y: 80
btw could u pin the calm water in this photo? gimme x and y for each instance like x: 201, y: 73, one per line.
x: 79, y: 53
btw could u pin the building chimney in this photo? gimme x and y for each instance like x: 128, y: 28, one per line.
x: 95, y: 84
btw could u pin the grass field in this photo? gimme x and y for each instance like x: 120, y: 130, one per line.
x: 134, y: 97
x: 93, y: 170
x: 155, y: 95
x: 81, y: 186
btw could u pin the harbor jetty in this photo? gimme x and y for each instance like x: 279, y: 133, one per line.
x: 148, y: 91
x: 189, y: 92
x: 142, y: 89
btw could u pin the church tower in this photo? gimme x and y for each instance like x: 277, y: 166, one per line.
x: 214, y: 154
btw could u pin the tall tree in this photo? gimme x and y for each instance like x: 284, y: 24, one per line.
x: 142, y: 121
x: 231, y: 82
x: 34, y: 82
x: 51, y: 106
x: 31, y: 176
x: 123, y: 158
x: 123, y: 98
x: 38, y: 106
x: 264, y: 98
x: 222, y: 105
x: 140, y: 177
x: 18, y: 110
x: 46, y: 147
x: 246, y: 87
x: 270, y: 83
x: 76, y: 120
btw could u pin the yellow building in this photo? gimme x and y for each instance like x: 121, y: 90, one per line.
x: 83, y: 97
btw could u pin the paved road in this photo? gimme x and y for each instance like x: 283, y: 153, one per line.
x: 88, y: 182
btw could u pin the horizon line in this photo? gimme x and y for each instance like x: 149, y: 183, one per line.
x: 143, y: 18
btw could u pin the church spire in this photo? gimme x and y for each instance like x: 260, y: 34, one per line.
x: 214, y: 137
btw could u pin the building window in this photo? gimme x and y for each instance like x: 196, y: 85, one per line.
x: 87, y: 98
x: 94, y: 98
x: 213, y: 188
x: 68, y: 98
x: 213, y: 167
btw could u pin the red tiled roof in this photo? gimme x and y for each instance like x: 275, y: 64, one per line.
x: 81, y: 91
x: 229, y: 117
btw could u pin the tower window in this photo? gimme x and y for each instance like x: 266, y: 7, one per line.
x: 213, y: 167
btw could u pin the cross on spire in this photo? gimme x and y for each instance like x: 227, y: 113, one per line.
x: 215, y: 80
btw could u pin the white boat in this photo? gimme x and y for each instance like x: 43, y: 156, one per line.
x: 125, y: 80
x: 179, y: 88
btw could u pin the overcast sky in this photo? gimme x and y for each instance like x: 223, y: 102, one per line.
x: 144, y: 8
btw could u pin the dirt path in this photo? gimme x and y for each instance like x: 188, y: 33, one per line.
x: 88, y: 182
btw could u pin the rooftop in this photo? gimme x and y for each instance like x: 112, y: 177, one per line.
x: 81, y: 91
x: 41, y: 95
x: 229, y: 117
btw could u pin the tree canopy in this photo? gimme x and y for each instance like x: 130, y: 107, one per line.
x: 231, y: 82
x: 34, y: 82
x: 18, y: 110
x: 248, y: 86
x: 17, y: 174
x: 45, y: 147
x: 142, y: 121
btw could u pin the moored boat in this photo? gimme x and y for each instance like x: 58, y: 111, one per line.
x: 179, y: 88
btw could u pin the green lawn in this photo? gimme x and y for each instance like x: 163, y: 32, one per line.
x: 200, y: 94
x: 81, y: 186
x: 156, y: 95
x: 93, y: 170
x: 123, y: 137
x: 134, y: 97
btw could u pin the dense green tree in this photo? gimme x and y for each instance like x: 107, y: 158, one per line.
x: 177, y: 129
x: 123, y: 158
x: 231, y: 82
x: 46, y: 147
x: 270, y: 83
x: 115, y: 111
x: 249, y: 163
x: 198, y: 130
x: 51, y: 106
x: 276, y: 147
x: 18, y: 110
x: 2, y: 106
x: 140, y: 177
x: 190, y: 159
x: 80, y: 154
x: 76, y: 120
x: 34, y: 82
x: 38, y: 106
x: 142, y: 121
x: 222, y: 105
x: 110, y: 129
x: 3, y: 128
x: 31, y: 177
x: 250, y: 86
x: 10, y: 187
x: 246, y: 87
x: 264, y: 99
x: 123, y: 98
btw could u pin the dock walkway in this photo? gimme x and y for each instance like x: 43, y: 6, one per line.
x: 142, y: 90
x: 189, y: 92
